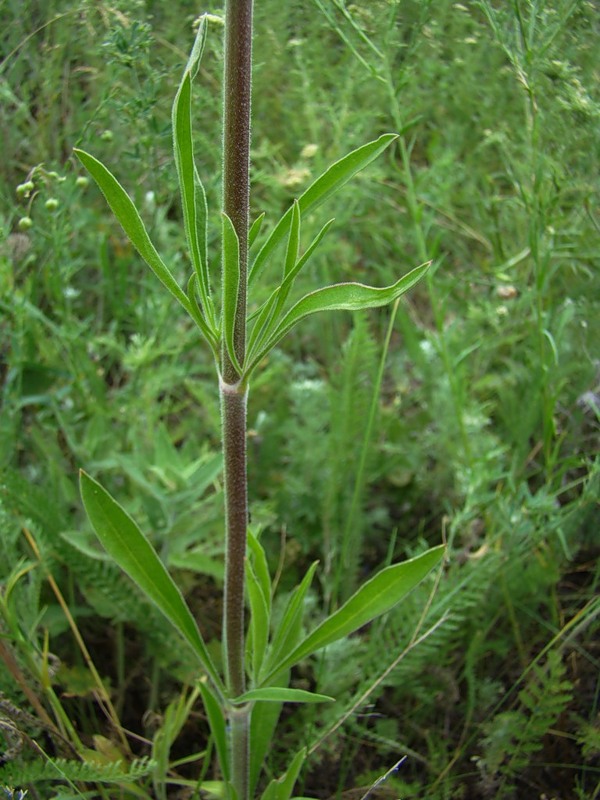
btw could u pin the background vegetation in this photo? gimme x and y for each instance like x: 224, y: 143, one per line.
x: 473, y: 418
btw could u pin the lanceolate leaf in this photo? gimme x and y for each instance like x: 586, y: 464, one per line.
x: 125, y: 211
x: 216, y: 721
x: 188, y: 181
x: 261, y: 567
x: 129, y: 548
x: 340, y: 297
x: 318, y: 192
x: 259, y: 620
x: 231, y: 280
x: 198, y: 316
x: 291, y: 256
x: 282, y: 788
x: 290, y: 627
x: 193, y: 62
x: 374, y: 598
x: 270, y: 311
x: 255, y: 229
x: 280, y: 694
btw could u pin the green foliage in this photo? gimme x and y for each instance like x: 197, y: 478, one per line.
x: 50, y: 769
x: 513, y: 737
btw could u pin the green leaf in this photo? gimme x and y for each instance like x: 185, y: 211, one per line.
x: 290, y: 628
x: 270, y: 311
x: 231, y: 285
x: 255, y: 229
x: 319, y: 191
x: 339, y: 297
x: 374, y: 598
x: 192, y: 192
x: 281, y: 788
x: 263, y: 324
x: 193, y: 196
x: 259, y: 620
x: 193, y: 62
x: 293, y: 246
x: 261, y: 567
x: 198, y: 316
x: 129, y: 548
x: 262, y: 728
x: 127, y: 214
x: 218, y: 727
x: 280, y: 694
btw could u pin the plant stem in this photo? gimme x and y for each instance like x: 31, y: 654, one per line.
x: 233, y: 409
x: 237, y: 85
x: 236, y: 153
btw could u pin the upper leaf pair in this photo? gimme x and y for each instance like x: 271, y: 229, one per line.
x: 272, y: 321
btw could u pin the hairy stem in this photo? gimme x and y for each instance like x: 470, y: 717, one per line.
x: 236, y: 154
x: 233, y: 411
x: 236, y: 203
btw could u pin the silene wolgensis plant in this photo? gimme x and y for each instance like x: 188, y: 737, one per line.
x: 243, y: 699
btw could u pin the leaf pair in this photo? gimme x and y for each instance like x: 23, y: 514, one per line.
x: 271, y: 322
x: 129, y: 548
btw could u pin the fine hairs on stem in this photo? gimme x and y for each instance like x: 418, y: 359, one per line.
x: 237, y: 88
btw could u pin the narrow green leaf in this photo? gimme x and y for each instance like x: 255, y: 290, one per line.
x: 196, y: 314
x: 339, y: 297
x: 255, y: 229
x: 193, y: 62
x: 259, y: 621
x: 218, y: 726
x: 290, y: 628
x: 193, y: 196
x: 202, y: 228
x: 374, y: 598
x: 271, y: 310
x: 261, y: 566
x: 127, y: 214
x: 293, y: 245
x: 129, y: 548
x: 282, y: 788
x: 262, y: 729
x: 231, y: 283
x: 291, y: 276
x: 280, y: 694
x: 263, y: 323
x: 319, y: 191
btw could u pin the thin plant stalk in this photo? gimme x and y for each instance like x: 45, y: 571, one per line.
x: 236, y: 202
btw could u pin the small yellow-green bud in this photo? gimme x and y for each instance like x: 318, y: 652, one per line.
x: 106, y: 136
x: 25, y: 223
x: 82, y: 181
x: 51, y: 204
x: 23, y: 189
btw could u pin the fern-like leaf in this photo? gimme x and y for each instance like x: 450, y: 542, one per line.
x: 60, y: 769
